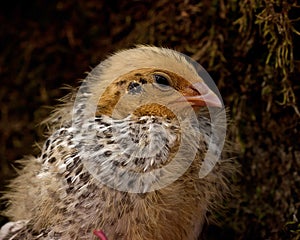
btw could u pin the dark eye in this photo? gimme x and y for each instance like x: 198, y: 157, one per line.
x: 161, y: 80
x: 134, y: 88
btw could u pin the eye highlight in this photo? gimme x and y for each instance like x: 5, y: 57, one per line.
x: 161, y: 80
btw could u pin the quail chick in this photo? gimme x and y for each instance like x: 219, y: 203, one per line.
x: 123, y: 156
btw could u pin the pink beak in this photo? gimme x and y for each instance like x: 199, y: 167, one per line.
x: 206, y: 96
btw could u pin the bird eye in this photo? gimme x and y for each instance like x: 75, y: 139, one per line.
x: 134, y: 88
x: 161, y: 80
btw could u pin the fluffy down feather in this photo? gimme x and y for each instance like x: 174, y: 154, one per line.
x: 108, y: 162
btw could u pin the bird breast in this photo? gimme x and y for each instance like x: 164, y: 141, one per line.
x: 139, y: 145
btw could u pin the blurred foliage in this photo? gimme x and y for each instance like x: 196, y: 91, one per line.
x: 251, y: 48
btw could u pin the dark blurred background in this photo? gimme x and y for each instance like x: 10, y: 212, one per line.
x: 250, y: 48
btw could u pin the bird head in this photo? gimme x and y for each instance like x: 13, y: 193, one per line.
x: 150, y: 81
x: 146, y: 99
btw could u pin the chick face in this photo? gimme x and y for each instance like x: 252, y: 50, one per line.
x: 150, y: 92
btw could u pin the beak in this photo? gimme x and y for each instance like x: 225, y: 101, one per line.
x: 204, y: 96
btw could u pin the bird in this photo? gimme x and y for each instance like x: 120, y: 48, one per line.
x: 122, y: 156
